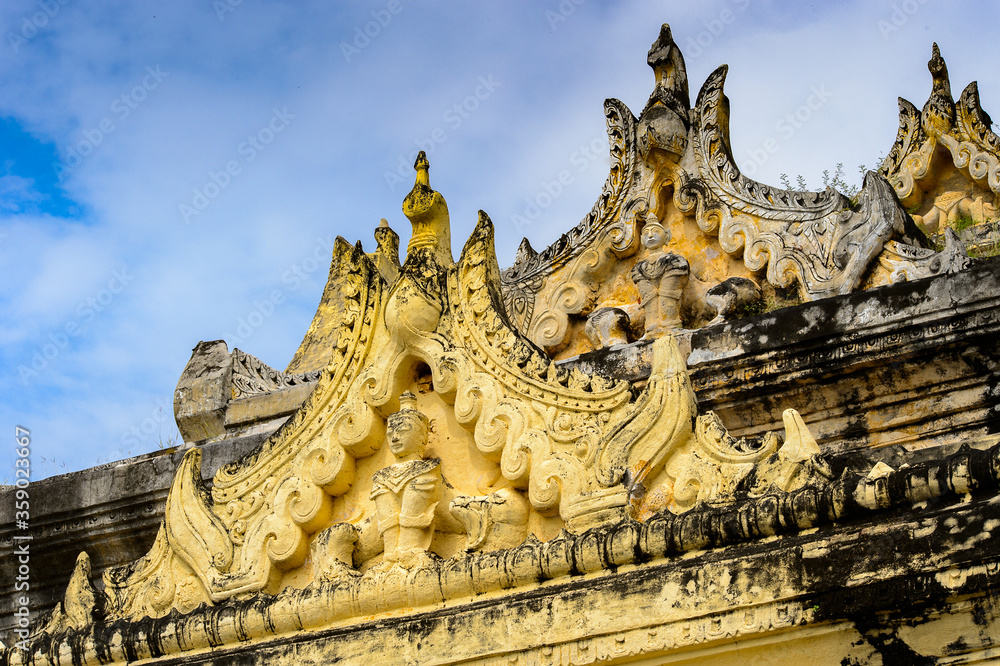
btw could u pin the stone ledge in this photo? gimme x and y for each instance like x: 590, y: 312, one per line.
x: 869, y: 574
x: 837, y: 333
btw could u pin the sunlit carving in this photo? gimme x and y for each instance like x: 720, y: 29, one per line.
x: 406, y: 493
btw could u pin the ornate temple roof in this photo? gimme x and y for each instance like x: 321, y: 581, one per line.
x: 714, y: 411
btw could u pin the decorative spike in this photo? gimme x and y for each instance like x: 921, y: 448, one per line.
x: 524, y: 252
x: 799, y: 444
x: 879, y: 471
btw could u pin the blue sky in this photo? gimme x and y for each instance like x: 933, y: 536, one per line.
x: 165, y: 170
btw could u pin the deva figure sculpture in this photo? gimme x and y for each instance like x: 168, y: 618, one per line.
x: 660, y: 279
x: 407, y: 492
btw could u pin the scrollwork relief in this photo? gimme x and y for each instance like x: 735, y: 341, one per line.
x: 251, y: 376
x: 814, y: 240
x: 603, y: 233
x: 945, y: 162
x: 439, y: 367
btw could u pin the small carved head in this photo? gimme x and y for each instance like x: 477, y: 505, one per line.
x: 407, y: 428
x: 654, y: 235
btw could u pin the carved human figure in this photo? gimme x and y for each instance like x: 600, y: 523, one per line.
x: 660, y: 279
x: 407, y: 493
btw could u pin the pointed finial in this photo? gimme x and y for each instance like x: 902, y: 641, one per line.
x: 938, y: 114
x: 428, y: 213
x: 799, y: 443
x: 422, y: 167
x: 667, y: 111
x: 386, y: 256
x: 660, y: 50
x: 524, y: 252
x: 939, y: 72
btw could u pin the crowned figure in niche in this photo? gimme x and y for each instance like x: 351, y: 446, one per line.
x: 660, y: 278
x: 407, y: 492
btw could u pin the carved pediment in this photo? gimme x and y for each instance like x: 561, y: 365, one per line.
x: 744, y: 241
x: 436, y: 427
x: 436, y: 437
x: 945, y: 163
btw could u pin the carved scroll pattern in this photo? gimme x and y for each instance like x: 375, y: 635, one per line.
x: 262, y: 508
x: 903, y: 262
x: 362, y: 289
x: 497, y: 346
x: 273, y: 505
x: 567, y: 437
x: 717, y: 167
x: 973, y: 122
x: 807, y: 237
x: 909, y: 138
x: 190, y: 521
x: 979, y: 150
x: 251, y: 376
x: 971, y: 142
x: 573, y: 288
x: 148, y: 586
x: 856, y: 497
x: 516, y: 393
x: 522, y: 281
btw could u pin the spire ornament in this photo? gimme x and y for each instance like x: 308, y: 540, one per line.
x: 428, y: 213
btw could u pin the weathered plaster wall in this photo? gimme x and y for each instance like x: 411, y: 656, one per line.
x: 903, y: 585
x: 914, y: 364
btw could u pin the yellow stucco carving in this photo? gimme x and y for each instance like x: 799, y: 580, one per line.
x: 76, y: 610
x: 945, y: 163
x: 437, y: 428
x: 733, y: 241
x: 445, y: 452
